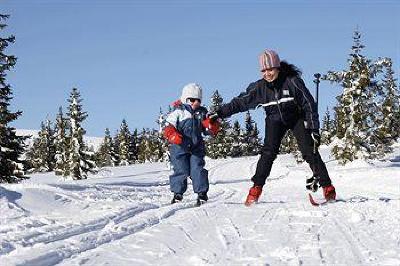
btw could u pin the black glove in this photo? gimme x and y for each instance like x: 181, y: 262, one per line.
x: 316, y: 137
x: 312, y: 183
x: 214, y: 116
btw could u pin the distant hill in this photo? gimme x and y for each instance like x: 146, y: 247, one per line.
x: 94, y: 142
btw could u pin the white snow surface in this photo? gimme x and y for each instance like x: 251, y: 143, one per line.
x: 123, y: 216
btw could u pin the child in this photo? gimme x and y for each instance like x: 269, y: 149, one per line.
x: 185, y: 125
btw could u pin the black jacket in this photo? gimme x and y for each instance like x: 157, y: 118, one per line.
x: 286, y: 99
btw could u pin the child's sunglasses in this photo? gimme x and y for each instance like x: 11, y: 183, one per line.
x: 192, y: 100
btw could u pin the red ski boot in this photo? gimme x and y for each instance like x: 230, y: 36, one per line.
x: 329, y: 192
x: 253, y: 196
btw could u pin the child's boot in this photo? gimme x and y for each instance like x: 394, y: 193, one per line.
x: 201, y: 198
x: 177, y: 198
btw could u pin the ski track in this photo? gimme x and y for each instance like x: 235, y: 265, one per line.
x: 280, y: 230
x: 67, y: 240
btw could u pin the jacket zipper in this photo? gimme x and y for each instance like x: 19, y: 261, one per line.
x: 277, y: 104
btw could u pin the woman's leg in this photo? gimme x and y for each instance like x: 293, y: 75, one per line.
x: 306, y: 146
x: 274, y: 132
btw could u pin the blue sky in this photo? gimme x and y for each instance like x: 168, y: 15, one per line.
x: 129, y: 58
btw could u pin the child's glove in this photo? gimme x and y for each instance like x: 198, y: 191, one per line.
x: 211, y: 126
x: 172, y: 135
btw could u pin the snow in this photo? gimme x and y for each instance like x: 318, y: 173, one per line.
x: 122, y: 216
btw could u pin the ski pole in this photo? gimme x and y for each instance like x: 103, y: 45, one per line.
x: 317, y: 81
x: 313, y: 185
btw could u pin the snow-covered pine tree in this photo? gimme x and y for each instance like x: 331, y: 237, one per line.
x: 124, y: 144
x: 80, y: 158
x: 219, y: 146
x: 387, y: 122
x: 61, y: 141
x: 161, y: 121
x: 289, y: 145
x: 252, y: 141
x: 105, y: 156
x: 159, y: 154
x: 328, y: 130
x: 149, y: 146
x: 134, y: 146
x: 355, y: 108
x: 145, y: 149
x: 115, y: 142
x: 11, y: 145
x: 162, y: 142
x: 42, y: 153
x: 236, y: 135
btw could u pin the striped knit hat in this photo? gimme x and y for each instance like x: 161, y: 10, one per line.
x: 269, y: 59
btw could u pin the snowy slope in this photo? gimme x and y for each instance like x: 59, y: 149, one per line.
x: 122, y: 216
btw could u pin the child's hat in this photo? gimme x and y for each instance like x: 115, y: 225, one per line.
x: 191, y: 90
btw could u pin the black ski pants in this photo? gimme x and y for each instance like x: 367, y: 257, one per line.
x: 274, y: 132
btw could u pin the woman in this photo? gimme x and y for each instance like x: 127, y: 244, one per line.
x: 288, y: 104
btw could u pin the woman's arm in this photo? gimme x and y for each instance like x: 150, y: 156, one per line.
x: 245, y: 101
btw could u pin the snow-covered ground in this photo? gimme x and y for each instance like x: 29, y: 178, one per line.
x: 122, y: 216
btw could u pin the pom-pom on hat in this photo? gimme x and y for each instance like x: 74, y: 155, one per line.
x: 269, y: 59
x: 191, y: 90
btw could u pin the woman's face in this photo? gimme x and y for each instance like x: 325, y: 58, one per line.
x: 270, y: 74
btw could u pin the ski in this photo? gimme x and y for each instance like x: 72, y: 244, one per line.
x: 314, y: 203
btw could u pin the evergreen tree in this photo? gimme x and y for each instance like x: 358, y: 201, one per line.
x: 289, y: 145
x: 163, y: 146
x: 134, y: 146
x: 328, y: 128
x: 160, y: 147
x: 105, y: 156
x: 221, y: 145
x: 61, y: 141
x: 149, y: 146
x: 11, y: 145
x: 145, y: 146
x: 80, y: 158
x: 42, y: 153
x: 387, y: 122
x: 236, y: 136
x: 356, y: 109
x: 251, y: 139
x: 115, y: 143
x: 161, y: 121
x: 124, y: 144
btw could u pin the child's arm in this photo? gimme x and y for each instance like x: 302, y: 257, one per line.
x: 170, y: 132
x: 172, y: 135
